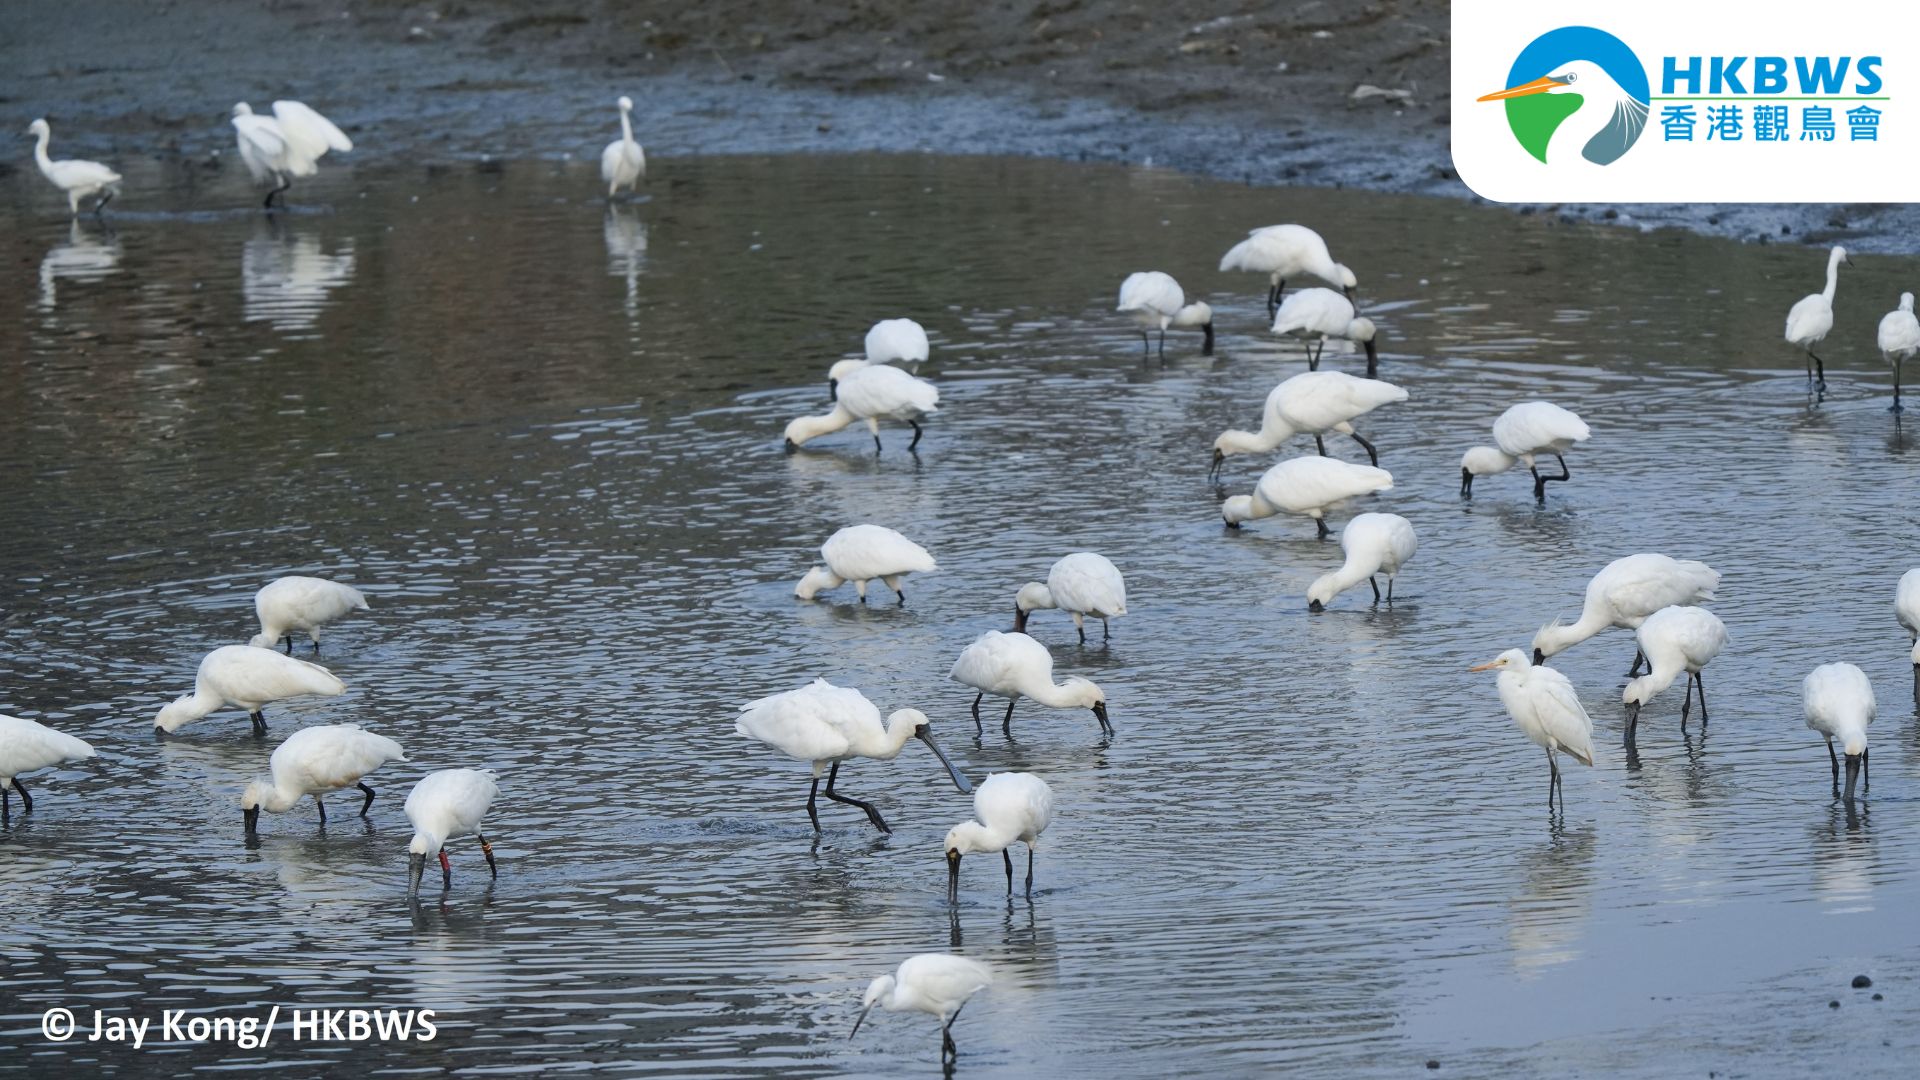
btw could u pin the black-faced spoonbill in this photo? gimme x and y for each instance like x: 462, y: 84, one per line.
x: 623, y: 162
x: 1542, y: 702
x: 1310, y: 403
x: 1623, y: 594
x: 26, y: 746
x: 1305, y: 485
x: 443, y: 805
x: 1906, y: 608
x: 314, y: 761
x: 863, y: 553
x: 1286, y: 251
x: 1375, y: 544
x: 1839, y: 704
x: 1081, y: 584
x: 78, y: 179
x: 1523, y: 432
x: 1156, y: 301
x: 938, y: 984
x: 1316, y: 316
x: 1010, y: 807
x: 287, y: 144
x: 247, y: 678
x: 1014, y: 666
x: 1899, y: 340
x: 870, y: 392
x: 294, y: 603
x: 1674, y: 640
x: 1812, y: 316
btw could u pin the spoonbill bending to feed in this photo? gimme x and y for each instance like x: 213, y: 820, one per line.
x: 1524, y: 431
x: 1899, y: 341
x: 1305, y: 485
x: 246, y: 678
x: 1013, y: 666
x: 827, y: 724
x: 1286, y: 251
x: 1839, y: 703
x: 1623, y: 594
x: 79, y: 179
x: 290, y: 143
x: 1674, y: 639
x: 1543, y: 703
x: 863, y: 553
x: 1608, y: 120
x: 870, y: 392
x: 1310, y: 403
x: 1375, y: 544
x: 1906, y: 606
x: 623, y: 163
x: 314, y: 761
x: 1315, y: 315
x: 443, y: 805
x: 1812, y: 316
x: 1010, y: 806
x: 937, y: 984
x: 1082, y: 584
x: 27, y: 747
x: 301, y: 603
x: 1156, y: 302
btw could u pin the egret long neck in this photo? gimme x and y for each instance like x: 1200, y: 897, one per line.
x: 40, y: 150
x: 626, y: 126
x: 1833, y: 277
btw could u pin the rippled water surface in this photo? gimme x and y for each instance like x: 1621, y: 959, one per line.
x: 544, y: 439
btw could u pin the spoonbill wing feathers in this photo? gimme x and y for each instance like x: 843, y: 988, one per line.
x: 1152, y: 291
x: 1639, y: 585
x: 1313, y: 311
x: 451, y: 802
x: 995, y: 662
x: 811, y: 723
x: 1906, y: 600
x: 1311, y: 483
x: 882, y: 391
x: 1020, y: 804
x: 309, y: 135
x: 1839, y: 700
x: 1089, y: 583
x: 1533, y: 427
x: 26, y: 745
x: 1385, y: 540
x: 333, y: 756
x: 247, y: 674
x: 1315, y: 401
x: 865, y: 552
x: 896, y: 341
x: 1284, y: 250
x: 296, y: 602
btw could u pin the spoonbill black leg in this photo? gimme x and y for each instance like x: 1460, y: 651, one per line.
x: 1321, y: 524
x: 1007, y: 857
x: 1320, y: 444
x: 872, y: 814
x: 1029, y: 870
x: 915, y: 425
x: 1006, y: 722
x: 1634, y: 668
x: 1835, y: 759
x: 976, y: 710
x: 366, y: 804
x: 1373, y: 456
x: 321, y: 803
x: 259, y: 722
x: 812, y: 810
x: 1376, y: 588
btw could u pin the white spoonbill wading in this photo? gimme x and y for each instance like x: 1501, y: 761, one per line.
x: 1375, y: 544
x: 870, y: 392
x: 1674, y: 640
x: 1524, y: 431
x: 1081, y: 584
x: 314, y: 761
x: 1839, y: 704
x: 937, y: 984
x: 826, y: 724
x: 293, y: 603
x: 27, y: 746
x: 1812, y: 316
x: 1316, y: 315
x: 1305, y: 485
x: 1010, y: 807
x: 1013, y: 666
x: 1542, y: 702
x: 247, y: 678
x: 1287, y: 251
x: 863, y: 553
x: 79, y: 179
x: 1906, y: 607
x: 623, y: 163
x: 290, y: 143
x: 1155, y: 301
x: 443, y: 805
x: 1899, y: 340
x: 1623, y: 594
x: 1310, y: 403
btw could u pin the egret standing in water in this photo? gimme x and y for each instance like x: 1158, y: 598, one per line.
x: 314, y: 761
x: 938, y: 984
x: 1542, y: 702
x: 1287, y: 251
x: 1082, y: 584
x: 1314, y: 316
x: 623, y: 163
x: 1010, y: 807
x: 1812, y: 316
x: 1839, y: 705
x: 1375, y: 544
x: 295, y: 603
x: 1674, y: 640
x: 863, y: 553
x: 78, y: 179
x: 1522, y: 433
x: 287, y: 144
x: 26, y: 746
x: 1899, y: 341
x: 443, y: 805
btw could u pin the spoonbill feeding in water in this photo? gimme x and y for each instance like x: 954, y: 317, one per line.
x: 1286, y: 251
x: 79, y: 179
x: 1155, y: 301
x: 1839, y: 704
x: 26, y: 746
x: 247, y: 678
x: 1523, y: 432
x: 1305, y: 485
x: 1310, y: 403
x: 870, y: 392
x: 1906, y: 607
x: 1812, y: 316
x: 1375, y: 544
x: 294, y: 603
x: 826, y: 724
x: 1315, y: 316
x: 1542, y: 702
x: 287, y: 144
x: 1010, y: 807
x: 1013, y: 666
x: 314, y: 761
x: 623, y: 163
x: 1674, y: 640
x: 863, y: 553
x: 1606, y: 122
x: 443, y: 805
x: 1899, y: 340
x: 1623, y: 594
x: 1081, y: 584
x: 937, y: 984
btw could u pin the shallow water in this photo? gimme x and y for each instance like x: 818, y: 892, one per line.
x: 545, y: 441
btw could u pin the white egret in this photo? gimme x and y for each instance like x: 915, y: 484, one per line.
x: 1287, y: 251
x: 1155, y: 301
x: 1310, y: 403
x: 1839, y: 705
x: 1523, y: 432
x: 1010, y: 807
x: 1674, y: 640
x: 1906, y: 607
x: 863, y: 553
x: 1305, y: 485
x: 1375, y: 544
x: 826, y: 724
x: 1623, y: 594
x: 1315, y: 316
x: 287, y: 144
x: 1542, y: 702
x: 1899, y: 340
x: 314, y: 761
x: 623, y: 162
x: 79, y: 179
x: 870, y: 392
x: 1013, y: 666
x: 26, y: 746
x: 247, y: 678
x: 445, y: 804
x: 1081, y: 584
x: 294, y: 603
x: 938, y: 984
x: 1607, y: 121
x: 1812, y: 316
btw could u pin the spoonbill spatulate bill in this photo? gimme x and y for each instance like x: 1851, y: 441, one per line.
x: 1081, y: 584
x: 863, y: 553
x: 28, y: 746
x: 1839, y: 705
x: 1007, y: 807
x: 938, y: 984
x: 295, y: 604
x: 250, y: 678
x: 314, y: 761
x: 1014, y: 666
x: 1543, y: 704
x: 446, y: 804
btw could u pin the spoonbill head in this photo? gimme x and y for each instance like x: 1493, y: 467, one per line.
x: 1196, y: 316
x: 443, y: 805
x: 27, y: 746
x: 938, y: 984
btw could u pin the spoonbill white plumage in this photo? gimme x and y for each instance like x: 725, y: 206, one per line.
x: 1010, y: 807
x: 445, y: 804
x: 623, y: 162
x: 1286, y: 251
x: 1607, y: 120
x: 293, y: 603
x: 314, y: 761
x: 938, y: 984
x: 826, y: 724
x: 1081, y: 584
x: 1674, y: 640
x: 863, y: 553
x: 1305, y: 485
x: 1013, y: 666
x: 1155, y: 301
x: 287, y: 144
x: 1310, y: 403
x: 1523, y: 432
x: 1623, y: 594
x: 1812, y: 316
x: 1899, y: 340
x: 1906, y: 607
x: 246, y: 678
x: 27, y: 746
x: 1375, y: 544
x: 897, y: 341
x: 870, y: 392
x: 79, y: 179
x: 1542, y: 702
x: 1315, y: 316
x: 1839, y: 705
